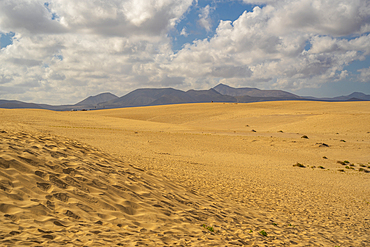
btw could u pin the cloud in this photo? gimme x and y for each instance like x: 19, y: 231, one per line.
x: 365, y: 75
x: 272, y: 43
x: 67, y: 50
x: 336, y: 18
x: 110, y: 17
x: 231, y: 72
x: 183, y: 32
x: 121, y: 18
x: 27, y: 16
x: 204, y: 19
x: 103, y: 45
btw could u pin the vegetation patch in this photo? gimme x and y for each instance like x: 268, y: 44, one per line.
x: 322, y: 144
x: 304, y: 137
x: 363, y: 170
x: 324, y: 157
x: 349, y: 167
x: 209, y: 228
x: 343, y: 162
x: 321, y: 167
x: 263, y: 233
x: 299, y: 165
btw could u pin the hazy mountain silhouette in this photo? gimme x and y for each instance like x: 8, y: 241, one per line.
x: 254, y: 92
x: 227, y: 90
x: 15, y: 104
x: 355, y: 95
x: 94, y: 100
x: 165, y: 96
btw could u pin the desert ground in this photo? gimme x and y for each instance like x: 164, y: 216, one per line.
x: 290, y: 173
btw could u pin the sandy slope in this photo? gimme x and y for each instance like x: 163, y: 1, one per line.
x: 229, y: 166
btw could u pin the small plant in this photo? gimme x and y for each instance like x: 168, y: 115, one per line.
x: 304, y: 137
x: 341, y: 162
x: 362, y: 165
x: 274, y: 223
x: 323, y: 145
x: 321, y: 167
x: 299, y: 165
x: 250, y: 231
x: 324, y: 157
x: 352, y: 164
x: 346, y: 161
x: 361, y: 170
x: 280, y: 131
x: 341, y: 170
x: 263, y: 233
x: 347, y: 167
x: 209, y: 228
x: 342, y: 140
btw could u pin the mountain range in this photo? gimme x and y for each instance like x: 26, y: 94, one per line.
x: 165, y: 96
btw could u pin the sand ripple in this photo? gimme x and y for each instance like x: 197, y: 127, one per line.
x: 57, y: 191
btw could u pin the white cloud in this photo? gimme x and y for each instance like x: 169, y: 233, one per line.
x: 95, y: 46
x: 27, y: 16
x: 331, y: 17
x: 365, y: 75
x: 183, y: 32
x: 110, y: 17
x: 271, y: 43
x: 205, y: 20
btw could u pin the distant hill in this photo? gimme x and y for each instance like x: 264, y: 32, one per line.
x: 140, y: 97
x: 355, y: 95
x: 254, y: 92
x: 15, y: 104
x: 94, y: 100
x: 227, y: 90
x: 165, y: 96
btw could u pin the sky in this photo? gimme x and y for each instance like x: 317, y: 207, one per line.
x: 62, y: 51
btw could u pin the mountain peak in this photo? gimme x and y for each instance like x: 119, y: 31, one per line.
x: 231, y: 91
x: 94, y: 100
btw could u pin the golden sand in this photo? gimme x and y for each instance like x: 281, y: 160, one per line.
x: 162, y: 175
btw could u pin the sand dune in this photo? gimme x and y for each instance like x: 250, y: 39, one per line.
x: 159, y: 176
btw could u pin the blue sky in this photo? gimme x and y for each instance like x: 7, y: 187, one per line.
x: 6, y: 39
x: 59, y: 52
x: 221, y: 10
